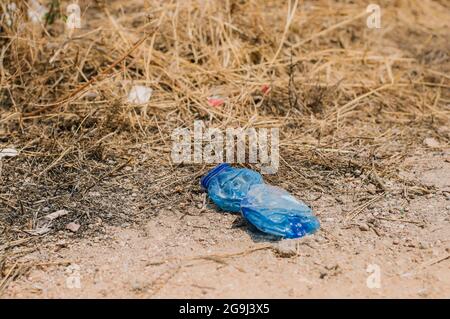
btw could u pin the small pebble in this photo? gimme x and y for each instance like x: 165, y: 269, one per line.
x: 371, y: 189
x: 364, y: 227
x: 90, y: 95
x: 431, y: 142
x: 286, y: 248
x: 73, y: 227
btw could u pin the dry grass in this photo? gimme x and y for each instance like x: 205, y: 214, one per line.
x: 349, y: 100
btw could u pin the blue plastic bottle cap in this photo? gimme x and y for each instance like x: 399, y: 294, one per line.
x: 204, y: 181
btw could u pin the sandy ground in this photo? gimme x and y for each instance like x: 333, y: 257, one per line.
x: 393, y: 248
x: 363, y: 117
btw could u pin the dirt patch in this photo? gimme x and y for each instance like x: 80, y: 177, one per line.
x: 212, y: 254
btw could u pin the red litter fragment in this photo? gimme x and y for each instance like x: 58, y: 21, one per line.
x: 265, y: 89
x: 216, y: 101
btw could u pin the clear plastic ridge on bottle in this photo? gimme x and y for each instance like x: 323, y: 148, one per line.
x: 273, y: 210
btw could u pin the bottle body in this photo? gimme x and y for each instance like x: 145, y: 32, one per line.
x: 227, y: 186
x: 273, y: 210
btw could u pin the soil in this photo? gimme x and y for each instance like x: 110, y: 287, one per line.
x: 203, y: 253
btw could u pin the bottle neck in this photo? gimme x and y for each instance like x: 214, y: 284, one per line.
x: 205, y: 180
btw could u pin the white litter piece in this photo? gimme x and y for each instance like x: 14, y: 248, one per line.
x: 8, y: 152
x: 139, y: 94
x: 36, y: 11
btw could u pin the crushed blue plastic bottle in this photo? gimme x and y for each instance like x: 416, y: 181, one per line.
x: 273, y: 210
x: 270, y: 209
x: 227, y: 185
